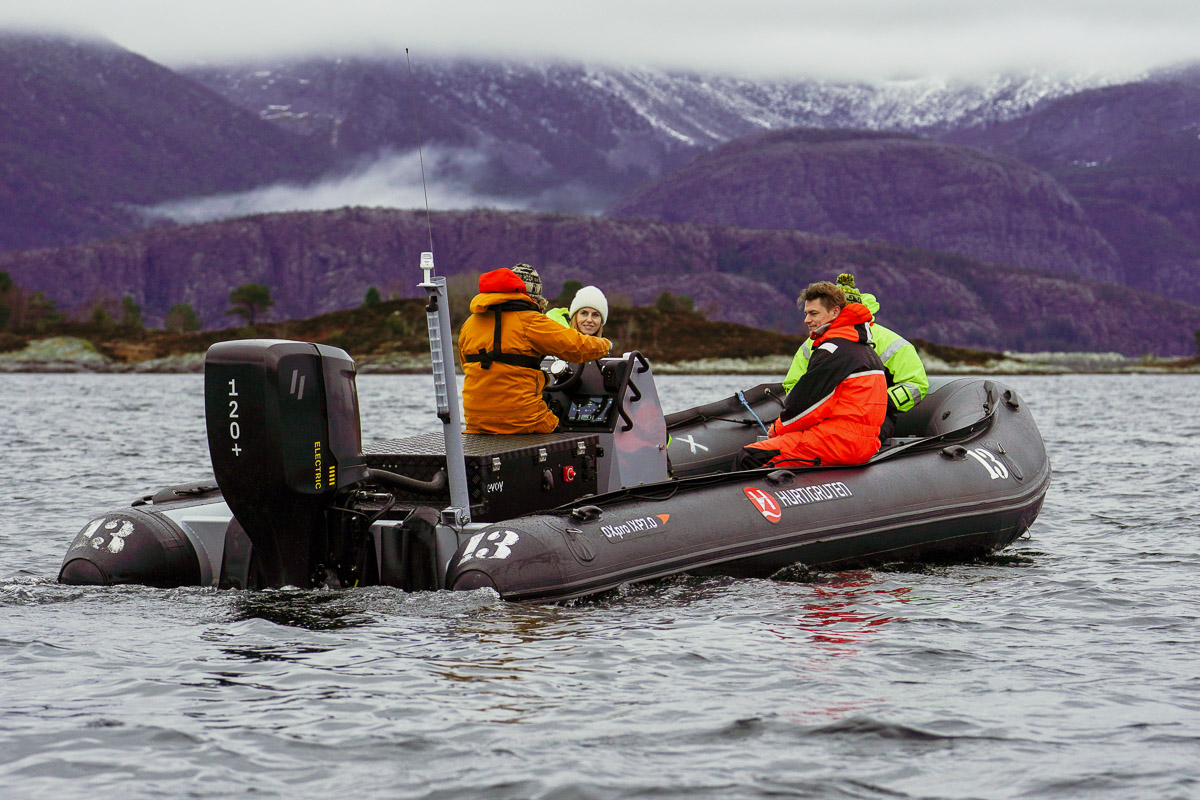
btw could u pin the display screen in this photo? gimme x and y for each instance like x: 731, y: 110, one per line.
x: 590, y: 410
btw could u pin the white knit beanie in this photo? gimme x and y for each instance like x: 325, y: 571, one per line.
x: 590, y: 297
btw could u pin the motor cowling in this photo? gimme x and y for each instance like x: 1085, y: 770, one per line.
x: 284, y: 438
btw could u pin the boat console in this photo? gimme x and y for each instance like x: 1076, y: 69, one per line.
x: 615, y: 399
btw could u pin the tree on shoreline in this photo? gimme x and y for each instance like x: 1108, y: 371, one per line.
x: 6, y: 285
x: 249, y: 300
x: 131, y: 313
x: 182, y: 318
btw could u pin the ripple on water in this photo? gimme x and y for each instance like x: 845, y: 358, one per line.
x: 1062, y: 667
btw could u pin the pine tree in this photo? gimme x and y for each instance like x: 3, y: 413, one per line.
x: 182, y: 317
x: 249, y: 300
x: 131, y: 313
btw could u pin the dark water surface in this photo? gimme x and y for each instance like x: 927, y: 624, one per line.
x: 1068, y: 666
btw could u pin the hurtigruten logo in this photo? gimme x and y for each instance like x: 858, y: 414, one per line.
x: 803, y: 495
x: 639, y: 526
x: 765, y: 504
x: 771, y: 504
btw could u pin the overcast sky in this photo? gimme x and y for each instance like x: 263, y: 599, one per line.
x: 868, y: 39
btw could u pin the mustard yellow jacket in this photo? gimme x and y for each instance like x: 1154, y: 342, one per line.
x: 504, y: 398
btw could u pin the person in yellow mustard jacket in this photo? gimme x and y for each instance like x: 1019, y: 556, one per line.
x: 501, y: 346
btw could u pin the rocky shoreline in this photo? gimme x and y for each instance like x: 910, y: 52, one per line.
x: 65, y: 354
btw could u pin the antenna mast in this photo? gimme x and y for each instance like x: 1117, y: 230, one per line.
x: 441, y: 350
x: 412, y: 95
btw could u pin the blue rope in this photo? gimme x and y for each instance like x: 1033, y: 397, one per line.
x: 741, y: 396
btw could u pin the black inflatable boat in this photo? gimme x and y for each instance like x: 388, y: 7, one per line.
x: 297, y: 500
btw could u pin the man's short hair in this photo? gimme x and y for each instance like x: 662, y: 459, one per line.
x: 830, y: 295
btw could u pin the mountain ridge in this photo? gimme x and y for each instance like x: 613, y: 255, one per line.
x: 104, y: 132
x: 884, y: 187
x: 89, y: 132
x: 323, y: 261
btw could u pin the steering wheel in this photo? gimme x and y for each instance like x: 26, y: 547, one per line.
x: 563, y: 376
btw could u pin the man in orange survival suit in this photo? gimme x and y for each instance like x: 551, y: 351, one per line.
x: 833, y: 414
x: 501, y: 347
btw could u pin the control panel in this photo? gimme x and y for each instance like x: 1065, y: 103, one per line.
x: 615, y: 399
x: 590, y: 410
x: 588, y: 397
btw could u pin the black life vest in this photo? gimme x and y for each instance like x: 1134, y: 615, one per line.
x: 485, y: 357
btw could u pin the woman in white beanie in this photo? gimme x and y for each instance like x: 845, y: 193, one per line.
x: 587, y: 314
x: 589, y: 311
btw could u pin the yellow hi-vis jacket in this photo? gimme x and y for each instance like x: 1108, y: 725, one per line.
x: 907, y: 381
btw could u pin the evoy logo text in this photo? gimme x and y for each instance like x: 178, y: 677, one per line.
x: 495, y: 486
x: 639, y: 526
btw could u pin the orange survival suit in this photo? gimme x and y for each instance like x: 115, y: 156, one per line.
x: 833, y: 414
x: 501, y: 346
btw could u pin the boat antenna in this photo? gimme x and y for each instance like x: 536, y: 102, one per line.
x: 412, y: 95
x: 441, y: 351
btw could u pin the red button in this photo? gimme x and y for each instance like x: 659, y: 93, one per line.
x: 568, y: 473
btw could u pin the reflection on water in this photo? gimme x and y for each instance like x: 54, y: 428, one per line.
x: 840, y: 613
x: 842, y: 609
x: 849, y: 607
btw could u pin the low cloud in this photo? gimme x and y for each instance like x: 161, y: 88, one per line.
x: 854, y: 39
x: 391, y: 181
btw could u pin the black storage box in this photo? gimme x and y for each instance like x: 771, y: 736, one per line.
x: 507, y: 476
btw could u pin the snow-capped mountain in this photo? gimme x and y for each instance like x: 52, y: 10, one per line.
x: 575, y: 137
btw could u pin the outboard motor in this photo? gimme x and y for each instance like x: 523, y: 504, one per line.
x: 283, y: 434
